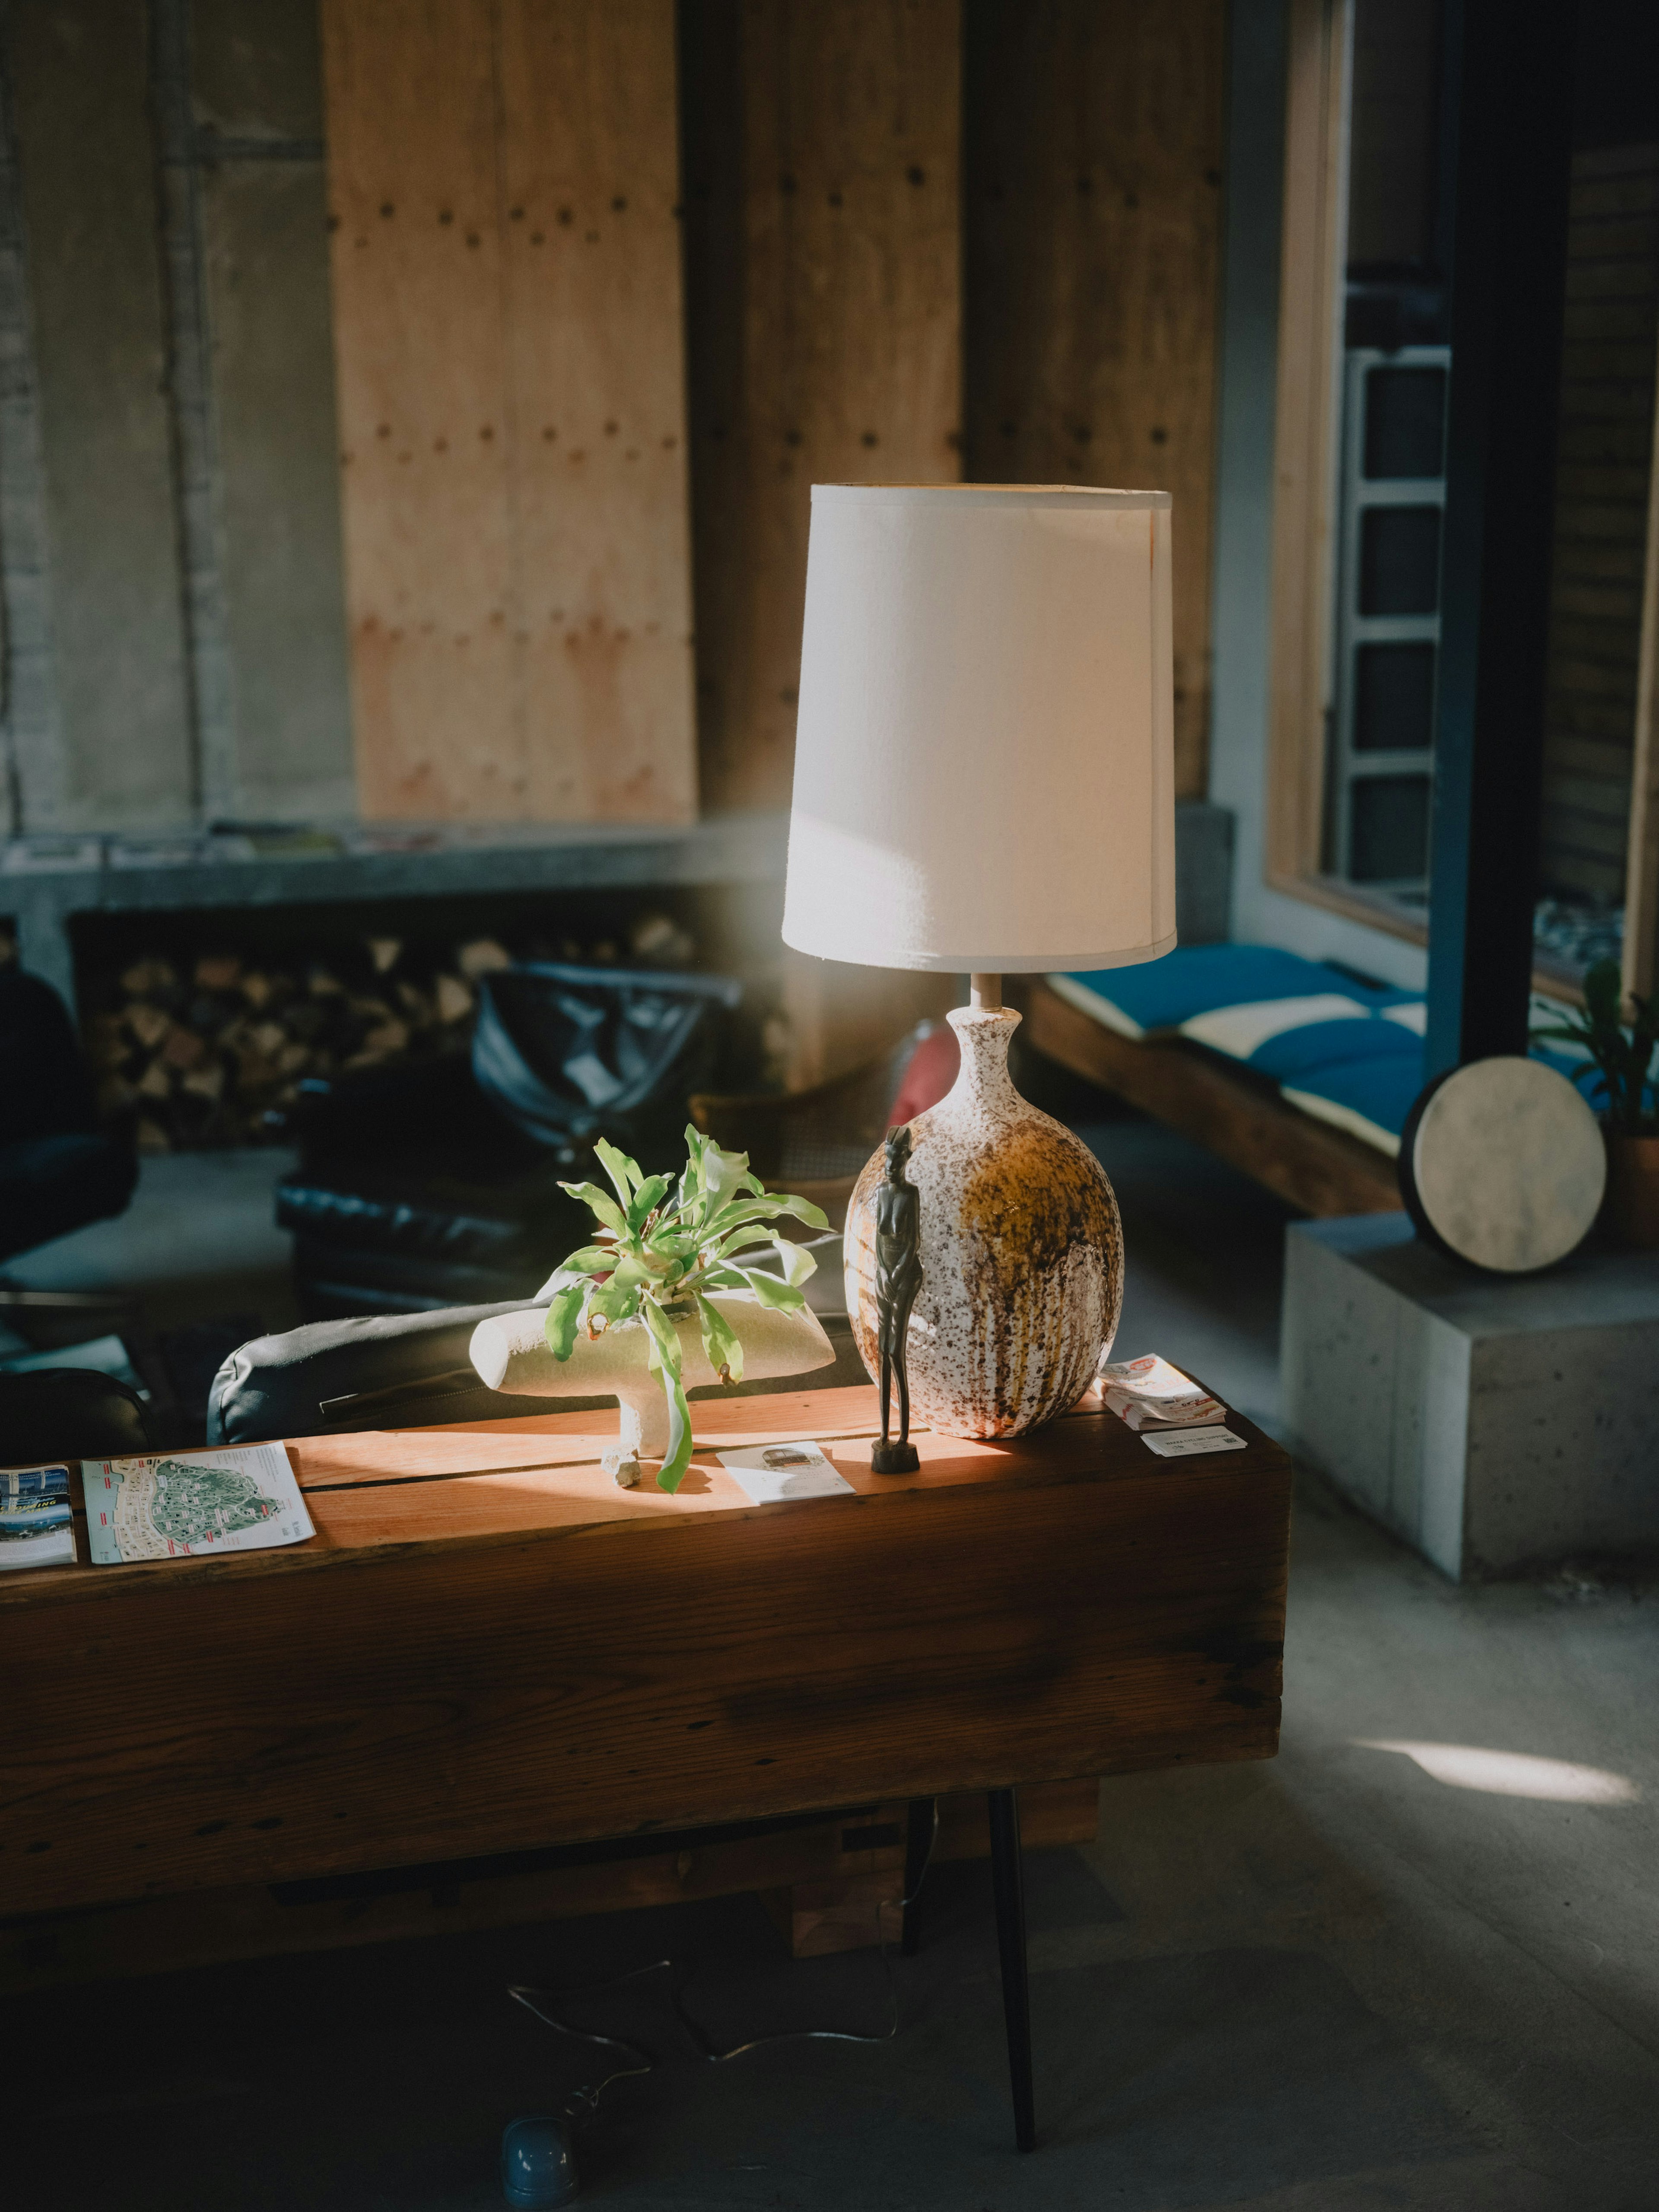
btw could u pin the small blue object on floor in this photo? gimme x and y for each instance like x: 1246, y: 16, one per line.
x: 538, y: 2168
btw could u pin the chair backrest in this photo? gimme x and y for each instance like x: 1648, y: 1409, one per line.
x: 70, y: 1412
x: 377, y: 1371
x: 568, y: 1052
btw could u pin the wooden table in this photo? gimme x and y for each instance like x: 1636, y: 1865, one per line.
x: 488, y: 1646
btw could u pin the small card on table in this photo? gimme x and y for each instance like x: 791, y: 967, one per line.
x: 769, y: 1473
x: 1183, y: 1443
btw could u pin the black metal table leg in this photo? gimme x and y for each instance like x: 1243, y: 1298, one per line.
x: 918, y: 1848
x: 1008, y: 1881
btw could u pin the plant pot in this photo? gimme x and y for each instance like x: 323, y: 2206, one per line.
x: 1631, y: 1209
x: 510, y: 1353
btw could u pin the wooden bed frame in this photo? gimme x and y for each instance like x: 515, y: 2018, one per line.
x: 1239, y: 1116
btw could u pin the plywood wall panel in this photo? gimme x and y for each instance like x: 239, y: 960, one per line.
x: 822, y: 151
x: 596, y: 369
x: 518, y: 626
x: 420, y: 345
x: 88, y: 163
x: 1091, y: 246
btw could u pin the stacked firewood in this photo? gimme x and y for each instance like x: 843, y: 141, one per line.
x: 211, y: 1052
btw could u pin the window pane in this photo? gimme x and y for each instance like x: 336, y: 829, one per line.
x: 1405, y: 423
x: 1393, y: 696
x: 1389, y: 828
x: 1399, y: 560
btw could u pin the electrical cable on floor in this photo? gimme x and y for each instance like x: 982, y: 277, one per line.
x: 583, y: 2102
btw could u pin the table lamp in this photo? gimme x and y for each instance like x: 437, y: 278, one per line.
x: 985, y: 785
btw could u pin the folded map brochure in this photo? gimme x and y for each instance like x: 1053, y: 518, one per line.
x: 1150, y: 1394
x: 193, y: 1505
x: 37, y: 1525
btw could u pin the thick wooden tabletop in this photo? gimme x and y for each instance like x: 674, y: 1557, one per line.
x: 488, y: 1646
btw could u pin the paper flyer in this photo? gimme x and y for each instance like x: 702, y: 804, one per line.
x: 769, y: 1473
x: 174, y: 1505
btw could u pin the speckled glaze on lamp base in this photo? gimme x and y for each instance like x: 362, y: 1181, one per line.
x: 1022, y: 1252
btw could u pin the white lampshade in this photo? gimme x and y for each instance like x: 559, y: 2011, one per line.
x: 984, y: 757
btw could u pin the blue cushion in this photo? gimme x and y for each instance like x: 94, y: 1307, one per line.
x: 1295, y: 1054
x: 1161, y: 995
x: 1335, y: 1043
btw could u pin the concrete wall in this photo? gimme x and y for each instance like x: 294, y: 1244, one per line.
x: 169, y: 521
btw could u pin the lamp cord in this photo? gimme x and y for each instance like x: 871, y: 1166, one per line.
x: 583, y: 2102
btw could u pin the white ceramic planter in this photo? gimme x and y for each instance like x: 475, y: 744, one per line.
x: 510, y: 1353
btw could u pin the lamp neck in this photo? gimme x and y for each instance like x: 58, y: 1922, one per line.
x: 983, y: 1085
x: 984, y: 993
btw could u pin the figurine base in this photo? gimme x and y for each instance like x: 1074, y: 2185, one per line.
x: 893, y: 1459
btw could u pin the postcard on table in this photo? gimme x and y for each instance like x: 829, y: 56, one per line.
x: 37, y: 1523
x: 188, y: 1504
x: 768, y: 1472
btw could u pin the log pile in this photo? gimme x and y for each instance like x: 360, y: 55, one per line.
x: 208, y: 1051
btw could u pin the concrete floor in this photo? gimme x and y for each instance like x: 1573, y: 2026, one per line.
x: 1413, y: 1963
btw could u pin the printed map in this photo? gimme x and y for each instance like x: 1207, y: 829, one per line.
x: 179, y: 1506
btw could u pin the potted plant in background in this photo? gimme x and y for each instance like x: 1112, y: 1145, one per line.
x: 671, y: 1286
x: 1620, y: 1056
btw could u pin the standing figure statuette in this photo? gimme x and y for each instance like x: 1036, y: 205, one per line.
x: 898, y: 1277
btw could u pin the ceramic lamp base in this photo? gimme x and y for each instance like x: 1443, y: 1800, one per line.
x: 1022, y: 1252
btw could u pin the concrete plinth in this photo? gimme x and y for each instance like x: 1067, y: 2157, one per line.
x: 1497, y: 1424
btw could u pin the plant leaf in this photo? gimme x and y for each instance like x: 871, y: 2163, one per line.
x: 645, y: 1201
x: 797, y: 1262
x: 612, y: 1302
x: 1603, y: 989
x: 671, y: 1472
x: 665, y: 1343
x: 624, y: 1174
x: 598, y: 1203
x: 563, y: 1315
x: 783, y: 1298
x: 592, y: 1259
x: 721, y: 1344
x: 770, y: 1206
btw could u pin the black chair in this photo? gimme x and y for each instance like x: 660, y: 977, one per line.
x: 59, y: 1168
x: 71, y: 1413
x: 437, y: 1184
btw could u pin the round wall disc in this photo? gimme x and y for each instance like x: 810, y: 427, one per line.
x: 1502, y: 1163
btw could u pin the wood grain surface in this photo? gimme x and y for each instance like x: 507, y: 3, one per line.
x: 824, y: 256
x: 474, y: 1664
x: 507, y: 326
x: 1238, y: 1117
x: 162, y: 1935
x: 1091, y: 241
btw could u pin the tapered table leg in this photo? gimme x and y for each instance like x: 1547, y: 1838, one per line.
x: 918, y: 1846
x: 1008, y: 1881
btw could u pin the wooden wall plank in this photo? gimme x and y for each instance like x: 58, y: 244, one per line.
x: 421, y: 354
x: 596, y: 365
x: 1641, y: 962
x: 1603, y: 457
x: 518, y: 619
x: 87, y: 153
x: 1092, y: 246
x: 1305, y: 433
x: 822, y: 155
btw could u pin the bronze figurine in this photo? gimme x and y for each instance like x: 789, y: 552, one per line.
x: 898, y: 1277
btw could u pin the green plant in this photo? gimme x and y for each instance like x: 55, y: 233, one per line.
x: 1620, y: 1052
x: 660, y: 1247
